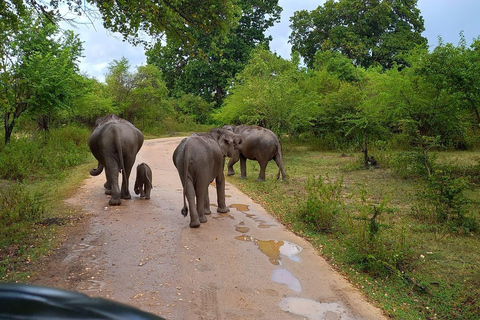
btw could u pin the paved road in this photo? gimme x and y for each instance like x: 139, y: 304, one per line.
x: 239, y: 265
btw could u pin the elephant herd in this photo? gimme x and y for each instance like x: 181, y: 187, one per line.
x: 199, y: 159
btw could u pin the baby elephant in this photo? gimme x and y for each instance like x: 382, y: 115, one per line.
x: 143, y: 182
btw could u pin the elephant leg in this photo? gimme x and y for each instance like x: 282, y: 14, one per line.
x: 108, y: 188
x: 206, y: 203
x: 220, y: 183
x: 190, y: 193
x: 147, y: 191
x: 201, y: 191
x: 263, y: 168
x: 243, y: 167
x: 126, y: 176
x: 231, y: 162
x: 112, y: 180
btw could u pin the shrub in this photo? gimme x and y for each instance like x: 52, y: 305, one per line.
x: 323, y: 205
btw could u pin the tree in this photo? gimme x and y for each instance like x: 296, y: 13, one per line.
x: 137, y: 94
x: 373, y: 32
x: 273, y: 93
x: 38, y: 70
x: 206, y: 70
x: 179, y: 19
x: 455, y: 70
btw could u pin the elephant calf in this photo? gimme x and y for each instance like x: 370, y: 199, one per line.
x: 143, y: 182
x: 200, y: 159
x: 259, y: 144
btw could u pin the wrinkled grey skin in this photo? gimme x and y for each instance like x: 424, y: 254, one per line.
x: 200, y: 159
x: 143, y: 181
x: 115, y: 143
x: 258, y: 144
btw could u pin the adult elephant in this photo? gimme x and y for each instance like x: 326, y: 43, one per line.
x: 115, y: 143
x: 200, y: 159
x: 258, y: 144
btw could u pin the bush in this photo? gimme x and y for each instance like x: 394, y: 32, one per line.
x: 323, y: 205
x: 26, y: 156
x: 19, y: 211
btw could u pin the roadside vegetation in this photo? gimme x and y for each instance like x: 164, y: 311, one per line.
x: 409, y: 243
x: 380, y: 133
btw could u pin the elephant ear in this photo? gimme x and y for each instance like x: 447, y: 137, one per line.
x: 224, y: 144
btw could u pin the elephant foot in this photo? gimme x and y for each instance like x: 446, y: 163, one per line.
x: 223, y: 210
x: 115, y: 202
x: 203, y: 219
x: 230, y: 173
x: 194, y: 224
x: 147, y: 197
x: 108, y: 191
x: 243, y: 177
x: 208, y: 211
x: 126, y: 196
x: 260, y: 179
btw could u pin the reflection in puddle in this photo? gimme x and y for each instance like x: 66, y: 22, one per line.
x: 273, y: 249
x: 286, y: 277
x: 240, y: 207
x: 314, y: 310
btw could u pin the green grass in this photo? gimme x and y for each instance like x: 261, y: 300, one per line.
x: 37, y: 173
x: 412, y: 268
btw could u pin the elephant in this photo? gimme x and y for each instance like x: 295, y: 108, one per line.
x: 143, y: 181
x: 115, y: 143
x: 200, y: 159
x: 259, y: 144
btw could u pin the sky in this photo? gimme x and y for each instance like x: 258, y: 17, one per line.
x: 444, y: 18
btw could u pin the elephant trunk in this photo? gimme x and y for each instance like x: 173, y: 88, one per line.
x: 97, y: 171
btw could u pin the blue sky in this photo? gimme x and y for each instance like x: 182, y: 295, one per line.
x: 445, y: 18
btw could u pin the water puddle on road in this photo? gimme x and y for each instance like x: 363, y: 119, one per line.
x: 273, y: 249
x: 240, y: 207
x: 314, y: 310
x: 242, y: 228
x: 284, y: 276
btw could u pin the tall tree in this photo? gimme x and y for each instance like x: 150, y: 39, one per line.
x: 38, y: 70
x: 179, y: 19
x: 136, y: 94
x: 206, y: 70
x: 372, y: 32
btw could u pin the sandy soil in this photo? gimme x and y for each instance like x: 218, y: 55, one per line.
x: 239, y: 265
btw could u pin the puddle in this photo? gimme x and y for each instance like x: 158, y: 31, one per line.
x: 284, y: 276
x: 273, y: 249
x: 264, y: 225
x: 314, y: 310
x: 240, y: 207
x: 226, y: 215
x: 242, y: 229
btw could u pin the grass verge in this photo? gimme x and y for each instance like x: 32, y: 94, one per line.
x: 364, y: 222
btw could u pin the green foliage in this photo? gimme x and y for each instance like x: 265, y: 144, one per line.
x: 182, y: 20
x: 188, y: 105
x: 323, y: 205
x: 369, y: 32
x: 29, y: 157
x: 38, y: 71
x: 443, y: 203
x: 19, y: 211
x: 137, y: 96
x: 273, y: 93
x: 206, y: 70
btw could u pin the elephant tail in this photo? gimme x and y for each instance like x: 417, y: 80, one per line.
x: 96, y: 171
x: 186, y: 161
x: 279, y: 161
x: 121, y: 164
